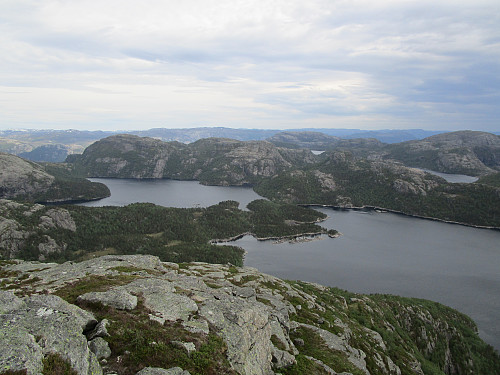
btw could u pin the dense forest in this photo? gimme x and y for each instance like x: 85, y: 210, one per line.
x: 173, y: 234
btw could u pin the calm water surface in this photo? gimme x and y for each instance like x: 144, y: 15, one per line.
x: 170, y: 193
x: 453, y: 177
x: 388, y: 253
x: 377, y: 253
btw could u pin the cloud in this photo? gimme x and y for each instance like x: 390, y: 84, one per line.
x: 250, y: 63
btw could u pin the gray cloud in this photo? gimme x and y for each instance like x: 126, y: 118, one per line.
x: 242, y: 63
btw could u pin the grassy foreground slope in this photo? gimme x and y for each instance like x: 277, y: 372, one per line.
x: 233, y: 320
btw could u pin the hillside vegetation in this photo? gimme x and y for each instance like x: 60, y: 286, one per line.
x: 464, y: 152
x: 36, y: 232
x: 338, y: 178
x: 345, y: 181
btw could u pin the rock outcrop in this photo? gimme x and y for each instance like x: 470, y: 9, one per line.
x: 216, y: 161
x: 22, y: 223
x: 264, y: 325
x: 19, y: 177
x: 29, y: 181
x: 464, y: 152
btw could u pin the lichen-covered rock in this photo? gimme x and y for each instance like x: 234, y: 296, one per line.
x: 264, y: 322
x: 341, y: 344
x: 100, y: 330
x: 39, y: 325
x: 118, y: 298
x: 100, y: 348
x: 246, y: 330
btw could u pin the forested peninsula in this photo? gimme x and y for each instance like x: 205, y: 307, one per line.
x: 62, y: 233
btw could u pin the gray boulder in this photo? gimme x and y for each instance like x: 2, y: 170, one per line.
x: 38, y: 325
x: 99, y: 330
x: 100, y: 348
x: 246, y: 330
x: 118, y: 298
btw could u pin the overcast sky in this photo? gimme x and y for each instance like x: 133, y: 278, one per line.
x: 123, y: 64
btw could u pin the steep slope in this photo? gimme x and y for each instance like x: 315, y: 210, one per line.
x: 216, y: 161
x: 25, y: 180
x: 124, y: 314
x: 464, y: 152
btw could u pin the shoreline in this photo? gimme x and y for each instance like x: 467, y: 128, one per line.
x: 382, y: 209
x: 278, y: 239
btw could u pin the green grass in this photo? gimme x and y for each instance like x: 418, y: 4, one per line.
x: 136, y: 341
x: 93, y: 283
x: 54, y: 364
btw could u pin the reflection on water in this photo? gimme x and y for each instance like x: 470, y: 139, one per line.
x: 453, y: 177
x: 170, y: 193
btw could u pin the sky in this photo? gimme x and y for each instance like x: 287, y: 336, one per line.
x: 270, y: 64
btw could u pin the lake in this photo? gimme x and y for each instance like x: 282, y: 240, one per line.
x: 453, y: 177
x: 377, y: 252
x: 170, y: 193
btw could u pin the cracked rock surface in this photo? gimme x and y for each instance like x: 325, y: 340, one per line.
x: 266, y: 325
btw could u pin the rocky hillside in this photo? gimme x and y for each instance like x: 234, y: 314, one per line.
x: 339, y: 178
x: 217, y: 161
x: 25, y: 180
x: 465, y: 152
x: 344, y: 180
x: 135, y: 314
x: 321, y: 142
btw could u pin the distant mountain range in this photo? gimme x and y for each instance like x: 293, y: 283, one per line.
x: 55, y: 145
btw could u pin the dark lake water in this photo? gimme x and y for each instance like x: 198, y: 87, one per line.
x: 170, y: 193
x: 377, y: 253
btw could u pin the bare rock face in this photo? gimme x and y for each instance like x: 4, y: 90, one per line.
x: 464, y: 152
x: 37, y: 221
x: 216, y: 161
x: 59, y: 217
x: 39, y: 325
x: 11, y: 238
x: 21, y: 177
